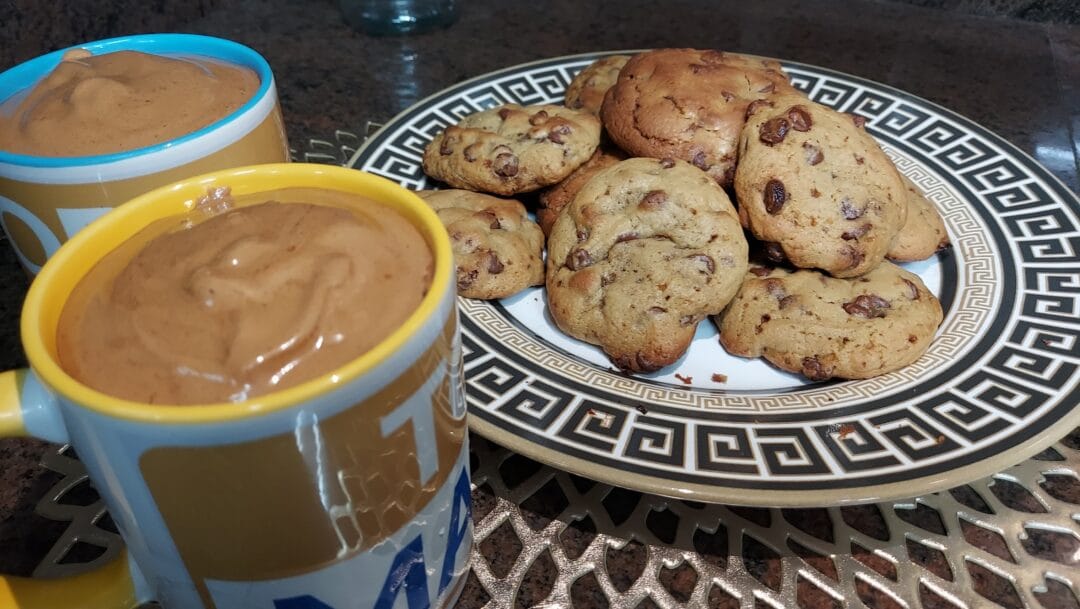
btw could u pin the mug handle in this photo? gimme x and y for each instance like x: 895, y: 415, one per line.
x: 28, y: 409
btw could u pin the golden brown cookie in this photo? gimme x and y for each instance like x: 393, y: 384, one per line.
x: 497, y: 249
x: 554, y: 198
x: 643, y: 253
x: 923, y: 234
x: 818, y: 187
x: 586, y: 91
x: 823, y: 327
x: 512, y: 149
x: 688, y: 104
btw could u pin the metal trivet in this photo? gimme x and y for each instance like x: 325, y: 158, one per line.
x: 546, y: 538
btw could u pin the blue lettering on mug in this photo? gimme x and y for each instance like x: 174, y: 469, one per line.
x: 460, y: 517
x: 300, y: 602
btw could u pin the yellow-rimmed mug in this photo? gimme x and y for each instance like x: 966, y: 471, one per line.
x: 349, y: 490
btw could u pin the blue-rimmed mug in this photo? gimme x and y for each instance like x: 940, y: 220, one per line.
x: 46, y: 200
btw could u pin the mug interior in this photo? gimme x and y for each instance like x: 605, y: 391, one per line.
x: 25, y: 75
x: 49, y: 292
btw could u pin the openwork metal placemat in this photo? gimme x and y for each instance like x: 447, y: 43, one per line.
x: 546, y: 538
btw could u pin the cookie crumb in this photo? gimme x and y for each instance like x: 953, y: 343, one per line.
x: 642, y: 409
x: 719, y: 378
x: 845, y: 430
x: 685, y: 379
x: 941, y: 439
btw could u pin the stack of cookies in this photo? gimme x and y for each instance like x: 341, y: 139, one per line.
x: 630, y: 183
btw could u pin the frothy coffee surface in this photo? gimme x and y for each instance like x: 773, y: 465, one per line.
x: 253, y: 300
x: 102, y: 104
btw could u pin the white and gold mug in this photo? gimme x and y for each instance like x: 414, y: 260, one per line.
x: 349, y: 490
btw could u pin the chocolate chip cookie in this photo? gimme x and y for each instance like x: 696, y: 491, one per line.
x: 586, y: 91
x: 512, y: 149
x: 814, y: 184
x: 923, y: 234
x: 554, y: 198
x: 645, y: 251
x: 823, y: 327
x: 497, y: 249
x: 688, y: 104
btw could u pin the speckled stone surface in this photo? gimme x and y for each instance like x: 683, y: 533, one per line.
x: 1019, y: 76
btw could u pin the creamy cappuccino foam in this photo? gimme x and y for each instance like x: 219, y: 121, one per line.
x: 255, y: 299
x: 114, y: 102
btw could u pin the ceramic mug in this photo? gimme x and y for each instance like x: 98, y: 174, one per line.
x: 45, y: 200
x: 349, y: 490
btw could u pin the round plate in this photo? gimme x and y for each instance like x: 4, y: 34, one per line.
x: 999, y: 382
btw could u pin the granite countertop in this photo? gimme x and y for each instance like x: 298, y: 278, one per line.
x: 1018, y: 75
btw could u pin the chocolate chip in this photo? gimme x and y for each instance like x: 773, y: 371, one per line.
x: 756, y: 105
x: 447, y: 146
x: 855, y: 233
x: 800, y: 118
x: 667, y: 162
x: 760, y: 327
x: 495, y: 266
x: 504, y: 112
x: 466, y: 279
x: 814, y: 155
x: 653, y: 200
x: 607, y: 279
x: 558, y: 134
x: 688, y: 320
x: 473, y: 151
x: 539, y: 118
x: 707, y: 260
x: 855, y: 257
x: 775, y: 196
x: 490, y: 217
x: 769, y: 88
x: 815, y: 193
x: 773, y: 131
x: 775, y: 288
x: 657, y: 310
x: 867, y: 306
x: 858, y: 159
x: 913, y: 290
x: 849, y: 210
x: 640, y: 363
x: 630, y: 236
x: 773, y: 252
x: 698, y: 160
x: 582, y: 235
x: 506, y: 165
x: 860, y: 121
x: 787, y: 301
x: 760, y: 271
x: 912, y: 338
x: 578, y: 259
x: 815, y: 370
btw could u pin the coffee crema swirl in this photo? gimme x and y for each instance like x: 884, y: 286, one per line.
x: 114, y: 102
x: 255, y: 299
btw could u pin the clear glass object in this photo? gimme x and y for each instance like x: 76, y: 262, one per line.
x: 397, y: 17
